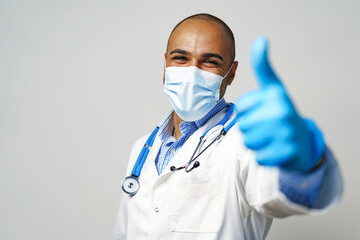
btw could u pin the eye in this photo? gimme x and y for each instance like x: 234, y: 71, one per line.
x: 211, y: 62
x: 180, y: 58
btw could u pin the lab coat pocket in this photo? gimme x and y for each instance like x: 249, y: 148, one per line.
x: 195, y: 202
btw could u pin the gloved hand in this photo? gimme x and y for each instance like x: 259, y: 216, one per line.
x: 270, y: 123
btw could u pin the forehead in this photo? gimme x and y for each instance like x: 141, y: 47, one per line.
x: 199, y: 36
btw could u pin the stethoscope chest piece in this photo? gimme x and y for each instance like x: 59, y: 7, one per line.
x: 130, y: 185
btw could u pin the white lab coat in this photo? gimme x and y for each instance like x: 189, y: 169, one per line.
x: 229, y: 196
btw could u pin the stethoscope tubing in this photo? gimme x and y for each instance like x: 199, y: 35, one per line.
x: 222, y: 133
x: 133, y: 179
x: 144, y: 153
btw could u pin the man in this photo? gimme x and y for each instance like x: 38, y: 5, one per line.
x: 259, y: 161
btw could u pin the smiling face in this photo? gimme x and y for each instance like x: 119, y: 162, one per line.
x: 203, y: 44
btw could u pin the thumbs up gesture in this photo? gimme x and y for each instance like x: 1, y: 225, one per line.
x: 270, y: 123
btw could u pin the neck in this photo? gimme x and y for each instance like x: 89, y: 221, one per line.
x: 177, y: 121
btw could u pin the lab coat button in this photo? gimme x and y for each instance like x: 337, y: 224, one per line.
x: 156, y: 209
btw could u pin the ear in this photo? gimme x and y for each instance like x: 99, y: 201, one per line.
x: 232, y: 73
x: 164, y: 68
x: 164, y: 61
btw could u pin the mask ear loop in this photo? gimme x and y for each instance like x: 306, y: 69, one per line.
x: 228, y: 71
x: 226, y: 76
x: 164, y: 70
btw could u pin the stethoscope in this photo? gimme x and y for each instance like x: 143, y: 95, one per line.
x: 131, y: 184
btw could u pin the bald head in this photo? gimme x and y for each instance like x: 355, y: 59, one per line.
x: 216, y: 21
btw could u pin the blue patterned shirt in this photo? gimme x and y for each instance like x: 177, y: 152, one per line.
x: 301, y: 188
x: 170, y: 145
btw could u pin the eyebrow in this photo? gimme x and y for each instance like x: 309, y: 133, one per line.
x: 205, y: 55
x: 180, y: 51
x: 215, y: 55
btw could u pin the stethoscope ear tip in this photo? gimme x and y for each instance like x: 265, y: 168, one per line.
x: 196, y: 164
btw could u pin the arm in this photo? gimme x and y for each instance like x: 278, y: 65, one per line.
x: 121, y: 223
x: 317, y: 190
x: 287, y: 148
x: 119, y: 232
x: 264, y: 193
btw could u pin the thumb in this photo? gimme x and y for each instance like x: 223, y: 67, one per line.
x: 260, y: 63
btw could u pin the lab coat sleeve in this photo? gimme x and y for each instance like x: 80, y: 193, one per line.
x: 119, y: 232
x: 302, y: 188
x: 120, y: 228
x: 263, y: 192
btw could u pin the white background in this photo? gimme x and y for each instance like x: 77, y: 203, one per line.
x: 80, y: 81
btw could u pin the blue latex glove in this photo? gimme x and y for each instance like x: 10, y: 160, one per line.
x: 270, y: 123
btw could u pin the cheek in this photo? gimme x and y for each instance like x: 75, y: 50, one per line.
x: 224, y: 83
x: 223, y: 87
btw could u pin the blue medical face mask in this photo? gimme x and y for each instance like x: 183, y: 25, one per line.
x: 192, y: 92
